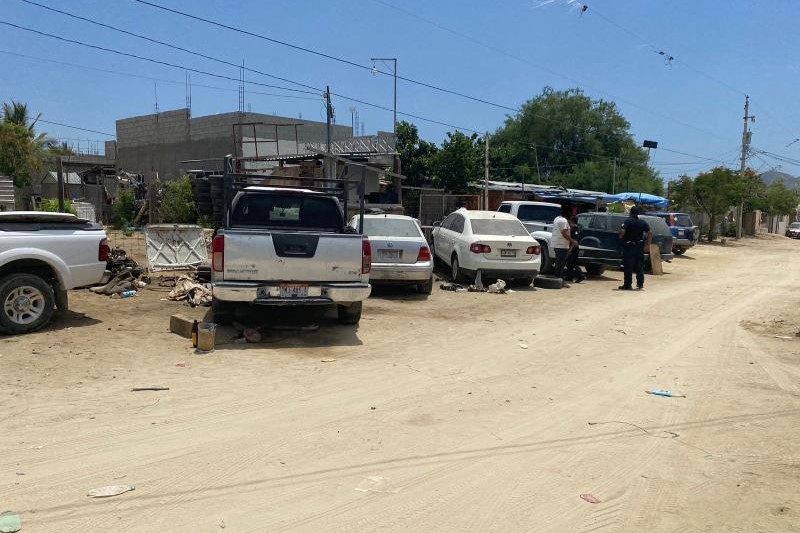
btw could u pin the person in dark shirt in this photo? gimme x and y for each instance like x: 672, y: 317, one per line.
x: 635, y: 234
x: 573, y: 272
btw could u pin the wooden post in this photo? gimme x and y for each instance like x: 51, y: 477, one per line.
x: 60, y: 185
x: 655, y: 260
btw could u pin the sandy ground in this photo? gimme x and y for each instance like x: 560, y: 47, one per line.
x: 431, y: 416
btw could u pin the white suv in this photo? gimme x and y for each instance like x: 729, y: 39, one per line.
x: 496, y: 244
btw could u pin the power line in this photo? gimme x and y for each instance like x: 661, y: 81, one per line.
x: 527, y: 61
x: 329, y: 56
x: 151, y: 78
x: 76, y: 127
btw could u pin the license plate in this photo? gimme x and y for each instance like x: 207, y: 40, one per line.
x: 389, y: 254
x: 508, y: 253
x: 681, y: 233
x: 293, y: 291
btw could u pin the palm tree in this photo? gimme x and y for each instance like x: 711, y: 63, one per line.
x: 17, y: 113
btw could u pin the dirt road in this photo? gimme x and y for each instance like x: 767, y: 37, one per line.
x: 432, y: 416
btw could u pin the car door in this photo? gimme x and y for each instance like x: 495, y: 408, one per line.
x: 442, y: 239
x: 456, y: 240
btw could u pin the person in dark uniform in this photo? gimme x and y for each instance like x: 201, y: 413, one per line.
x: 635, y: 234
x: 573, y: 272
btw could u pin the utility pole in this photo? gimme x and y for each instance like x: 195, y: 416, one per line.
x: 60, y: 184
x: 486, y: 175
x: 536, y: 155
x: 614, y: 178
x: 746, y: 137
x: 328, y: 117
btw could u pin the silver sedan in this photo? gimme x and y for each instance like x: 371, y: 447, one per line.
x: 400, y: 253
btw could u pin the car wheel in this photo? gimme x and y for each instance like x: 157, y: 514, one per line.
x: 455, y: 269
x: 678, y: 251
x: 594, y: 269
x: 349, y: 314
x: 548, y: 282
x: 547, y: 263
x: 222, y: 312
x: 28, y: 303
x: 427, y: 287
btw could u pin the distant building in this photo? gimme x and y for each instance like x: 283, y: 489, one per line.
x: 173, y: 142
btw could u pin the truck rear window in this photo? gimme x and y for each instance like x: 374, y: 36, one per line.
x: 288, y: 211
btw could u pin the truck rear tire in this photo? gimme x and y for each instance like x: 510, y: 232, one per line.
x: 349, y: 314
x: 222, y: 312
x: 27, y: 303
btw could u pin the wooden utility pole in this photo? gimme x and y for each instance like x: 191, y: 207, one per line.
x: 746, y: 137
x: 486, y: 175
x: 60, y: 184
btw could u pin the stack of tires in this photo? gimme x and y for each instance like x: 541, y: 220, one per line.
x: 201, y: 190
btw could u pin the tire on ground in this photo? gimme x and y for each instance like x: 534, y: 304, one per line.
x: 548, y: 282
x: 426, y: 287
x: 349, y: 314
x: 35, y: 294
x: 595, y: 269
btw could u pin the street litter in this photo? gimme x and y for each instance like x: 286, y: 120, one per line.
x: 110, y: 490
x: 495, y: 288
x: 498, y: 287
x: 589, y: 498
x: 328, y: 360
x: 663, y: 392
x: 188, y: 289
x: 377, y: 484
x: 139, y: 389
x: 10, y: 522
x: 523, y: 346
x: 126, y: 274
x: 783, y: 337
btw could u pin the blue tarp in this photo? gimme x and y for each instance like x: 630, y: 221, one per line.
x: 639, y: 198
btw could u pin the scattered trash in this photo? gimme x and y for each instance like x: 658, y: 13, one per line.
x: 126, y: 274
x: 589, y: 498
x: 221, y: 524
x: 120, y: 476
x: 621, y: 331
x: 124, y: 294
x: 181, y: 364
x: 497, y: 288
x: 188, y: 289
x: 328, y: 360
x: 377, y: 484
x: 139, y: 389
x: 783, y: 337
x: 10, y: 522
x: 667, y: 393
x: 523, y: 346
x: 373, y: 407
x: 206, y: 336
x: 110, y: 490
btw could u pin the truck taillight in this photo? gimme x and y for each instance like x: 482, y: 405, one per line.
x: 218, y: 254
x: 477, y: 248
x: 424, y: 254
x: 366, y: 256
x: 103, y: 251
x: 532, y: 250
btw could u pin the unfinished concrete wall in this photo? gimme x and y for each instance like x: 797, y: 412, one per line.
x: 158, y: 143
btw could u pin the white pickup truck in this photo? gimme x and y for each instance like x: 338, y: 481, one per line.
x: 42, y: 255
x: 537, y: 217
x: 289, y: 246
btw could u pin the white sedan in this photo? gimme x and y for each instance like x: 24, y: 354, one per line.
x: 400, y: 253
x: 494, y: 243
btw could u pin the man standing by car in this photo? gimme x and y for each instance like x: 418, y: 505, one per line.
x: 573, y: 271
x: 635, y: 234
x: 562, y: 241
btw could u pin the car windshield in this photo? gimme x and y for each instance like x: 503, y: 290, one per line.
x: 683, y: 220
x: 795, y: 225
x: 288, y: 211
x: 390, y: 227
x: 491, y: 226
x: 538, y: 213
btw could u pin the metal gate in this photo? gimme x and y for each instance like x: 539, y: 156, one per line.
x: 175, y: 246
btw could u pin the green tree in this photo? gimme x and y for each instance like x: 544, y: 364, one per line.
x: 778, y: 200
x: 51, y: 206
x: 567, y: 138
x: 459, y: 162
x: 177, y: 203
x: 19, y: 157
x: 715, y: 192
x: 124, y: 209
x: 416, y: 155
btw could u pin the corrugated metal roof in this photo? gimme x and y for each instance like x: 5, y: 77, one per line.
x: 70, y: 178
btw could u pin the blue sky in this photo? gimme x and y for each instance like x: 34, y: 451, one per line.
x: 693, y: 105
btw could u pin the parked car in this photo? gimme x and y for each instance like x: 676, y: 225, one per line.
x: 684, y: 233
x: 537, y: 217
x: 793, y: 230
x: 600, y: 245
x: 42, y: 255
x: 285, y: 246
x: 400, y: 253
x: 495, y: 243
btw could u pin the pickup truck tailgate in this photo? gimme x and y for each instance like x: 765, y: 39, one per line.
x: 292, y: 256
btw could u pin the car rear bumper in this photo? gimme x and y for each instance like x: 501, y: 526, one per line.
x: 683, y: 243
x: 269, y: 293
x: 401, y: 272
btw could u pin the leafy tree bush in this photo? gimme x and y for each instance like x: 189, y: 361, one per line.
x: 124, y: 209
x: 51, y: 206
x: 177, y: 203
